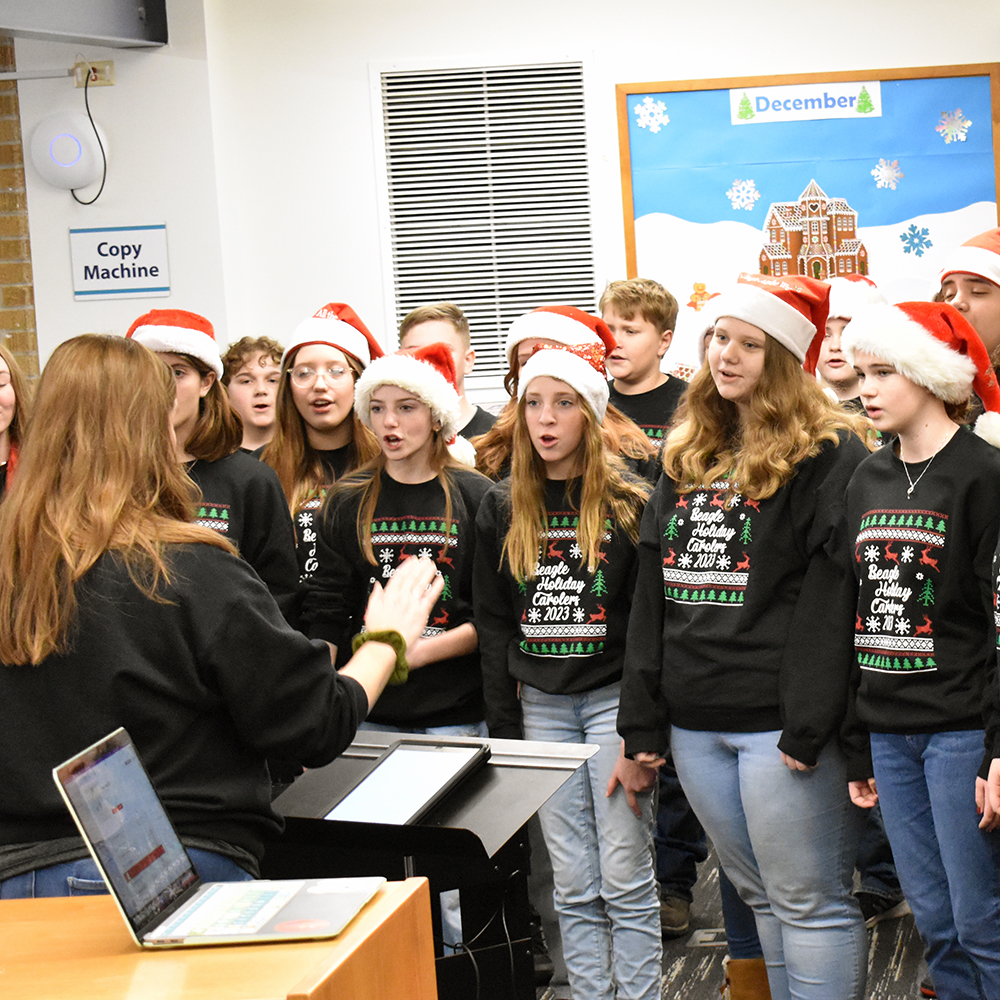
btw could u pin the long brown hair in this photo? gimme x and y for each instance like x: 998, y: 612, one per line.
x: 219, y: 428
x: 22, y: 397
x: 493, y: 449
x: 294, y: 459
x: 606, y: 492
x: 98, y: 474
x: 790, y: 418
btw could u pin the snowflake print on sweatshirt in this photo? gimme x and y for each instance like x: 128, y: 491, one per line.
x: 564, y: 614
x: 707, y: 542
x: 898, y: 552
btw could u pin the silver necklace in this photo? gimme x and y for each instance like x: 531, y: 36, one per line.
x: 913, y: 482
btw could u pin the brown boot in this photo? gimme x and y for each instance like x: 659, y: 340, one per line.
x: 746, y: 979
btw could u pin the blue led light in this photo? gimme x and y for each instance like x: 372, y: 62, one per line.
x: 62, y: 151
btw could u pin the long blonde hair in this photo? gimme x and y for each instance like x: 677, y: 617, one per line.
x: 789, y: 420
x: 606, y: 492
x: 294, y: 459
x: 98, y: 473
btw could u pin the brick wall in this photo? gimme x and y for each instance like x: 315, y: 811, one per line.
x: 17, y: 301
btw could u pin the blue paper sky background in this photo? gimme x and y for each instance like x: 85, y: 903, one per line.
x: 687, y: 167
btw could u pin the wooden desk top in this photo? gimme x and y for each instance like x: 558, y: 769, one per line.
x: 79, y: 948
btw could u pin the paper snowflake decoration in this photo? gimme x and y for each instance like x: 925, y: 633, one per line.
x: 743, y: 194
x: 953, y: 126
x: 903, y: 626
x: 651, y: 114
x: 579, y: 615
x: 534, y: 614
x: 872, y: 623
x: 916, y: 241
x: 907, y: 554
x: 305, y: 519
x: 684, y: 561
x: 871, y: 553
x: 887, y: 174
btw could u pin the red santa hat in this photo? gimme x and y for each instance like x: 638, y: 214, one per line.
x: 176, y: 331
x: 934, y: 345
x: 561, y: 325
x: 580, y: 366
x: 789, y: 308
x: 850, y: 294
x: 979, y: 256
x: 337, y: 325
x: 429, y: 373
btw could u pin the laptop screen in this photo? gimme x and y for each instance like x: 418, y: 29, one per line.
x: 118, y: 808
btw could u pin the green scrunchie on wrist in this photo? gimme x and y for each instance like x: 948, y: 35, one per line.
x: 392, y: 638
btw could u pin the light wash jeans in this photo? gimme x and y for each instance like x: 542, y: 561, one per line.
x: 82, y: 878
x: 948, y: 868
x: 787, y: 840
x: 602, y: 859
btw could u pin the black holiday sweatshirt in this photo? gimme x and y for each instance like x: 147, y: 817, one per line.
x: 924, y: 634
x: 652, y: 410
x: 208, y: 683
x: 242, y: 499
x: 562, y: 632
x: 742, y: 614
x: 409, y: 521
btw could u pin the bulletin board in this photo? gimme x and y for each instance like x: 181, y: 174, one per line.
x: 891, y: 170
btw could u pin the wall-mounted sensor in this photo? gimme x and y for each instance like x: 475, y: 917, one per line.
x: 65, y: 151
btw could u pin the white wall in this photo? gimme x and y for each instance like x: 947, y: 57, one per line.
x: 291, y: 126
x: 161, y: 169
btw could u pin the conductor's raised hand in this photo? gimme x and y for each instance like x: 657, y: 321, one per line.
x: 405, y: 602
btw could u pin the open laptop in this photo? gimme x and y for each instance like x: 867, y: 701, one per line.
x: 150, y: 875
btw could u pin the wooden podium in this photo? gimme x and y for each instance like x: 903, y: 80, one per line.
x: 78, y: 947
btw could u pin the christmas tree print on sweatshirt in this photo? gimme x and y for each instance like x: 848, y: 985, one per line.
x: 564, y: 614
x: 708, y: 542
x: 898, y: 553
x: 397, y: 539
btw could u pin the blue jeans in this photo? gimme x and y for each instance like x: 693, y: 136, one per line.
x: 875, y: 863
x: 679, y: 838
x: 742, y: 940
x: 602, y: 860
x: 948, y: 867
x: 477, y: 729
x: 788, y: 840
x: 82, y: 878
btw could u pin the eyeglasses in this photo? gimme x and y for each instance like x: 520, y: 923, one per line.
x: 305, y: 376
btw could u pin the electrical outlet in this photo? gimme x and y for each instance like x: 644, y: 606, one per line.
x: 102, y: 74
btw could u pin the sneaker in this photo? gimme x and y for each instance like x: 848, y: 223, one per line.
x: 675, y: 916
x: 927, y: 987
x: 875, y: 909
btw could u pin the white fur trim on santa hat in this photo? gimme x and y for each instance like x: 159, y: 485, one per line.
x: 462, y: 451
x: 848, y: 296
x: 570, y: 368
x: 890, y: 335
x: 542, y: 325
x: 180, y: 340
x: 988, y: 428
x: 332, y: 332
x: 418, y: 377
x: 973, y: 260
x: 776, y: 318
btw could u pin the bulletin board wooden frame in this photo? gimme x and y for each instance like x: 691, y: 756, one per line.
x: 626, y: 91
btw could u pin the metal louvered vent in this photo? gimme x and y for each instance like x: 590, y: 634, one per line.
x: 489, y: 195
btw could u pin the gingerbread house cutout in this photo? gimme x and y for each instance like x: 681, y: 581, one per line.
x: 816, y: 236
